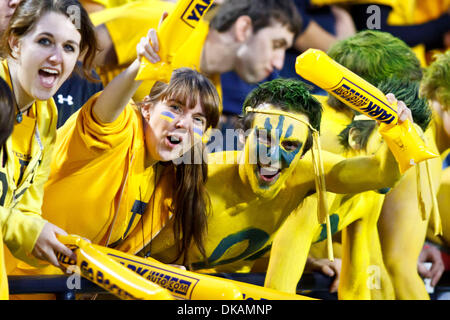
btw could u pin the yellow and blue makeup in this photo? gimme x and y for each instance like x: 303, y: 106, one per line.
x: 168, y: 116
x: 198, y: 132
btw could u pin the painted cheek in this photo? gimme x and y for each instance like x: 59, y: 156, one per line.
x: 287, y: 157
x: 167, y: 116
x: 198, y: 133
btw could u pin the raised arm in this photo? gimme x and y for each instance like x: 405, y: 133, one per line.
x: 120, y: 90
x: 368, y: 172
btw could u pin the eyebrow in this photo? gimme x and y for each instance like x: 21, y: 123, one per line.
x: 53, y: 37
x: 280, y: 42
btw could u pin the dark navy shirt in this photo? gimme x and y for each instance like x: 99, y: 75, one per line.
x: 73, y: 94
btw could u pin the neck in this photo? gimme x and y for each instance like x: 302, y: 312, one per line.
x: 219, y: 53
x: 22, y: 99
x: 149, y: 161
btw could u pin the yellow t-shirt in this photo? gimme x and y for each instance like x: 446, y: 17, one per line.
x: 22, y: 138
x: 98, y: 177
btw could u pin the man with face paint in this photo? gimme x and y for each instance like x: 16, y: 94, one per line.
x: 253, y: 191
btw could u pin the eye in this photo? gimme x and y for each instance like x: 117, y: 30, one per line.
x: 200, y: 121
x: 290, y: 145
x: 175, y: 108
x: 69, y: 48
x: 279, y: 44
x: 44, y: 41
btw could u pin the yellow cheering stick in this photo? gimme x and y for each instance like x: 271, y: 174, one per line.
x: 402, y: 139
x: 109, y: 274
x: 195, y: 286
x: 172, y: 33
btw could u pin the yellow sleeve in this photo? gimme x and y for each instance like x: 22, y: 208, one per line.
x: 20, y: 232
x: 129, y: 23
x: 84, y: 136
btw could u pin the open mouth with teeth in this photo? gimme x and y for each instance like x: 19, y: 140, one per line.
x: 268, y: 174
x: 173, y: 141
x: 48, y: 77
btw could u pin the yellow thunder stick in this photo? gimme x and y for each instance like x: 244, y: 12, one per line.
x: 195, y: 286
x: 172, y: 33
x: 109, y: 274
x: 402, y: 139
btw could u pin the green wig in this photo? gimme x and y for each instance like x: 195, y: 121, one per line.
x: 436, y: 81
x: 287, y: 94
x: 375, y: 56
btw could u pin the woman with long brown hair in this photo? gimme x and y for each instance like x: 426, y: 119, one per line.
x: 122, y: 169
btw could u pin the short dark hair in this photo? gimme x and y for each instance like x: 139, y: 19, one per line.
x: 289, y: 95
x: 6, y: 112
x: 262, y: 12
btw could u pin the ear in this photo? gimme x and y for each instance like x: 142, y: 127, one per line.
x: 146, y: 107
x: 242, y: 28
x: 353, y: 139
x: 14, y: 45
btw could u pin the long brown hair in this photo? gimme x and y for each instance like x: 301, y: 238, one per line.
x: 6, y: 112
x: 28, y: 13
x: 191, y: 203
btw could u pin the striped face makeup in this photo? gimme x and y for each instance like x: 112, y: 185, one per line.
x: 172, y: 128
x: 273, y: 150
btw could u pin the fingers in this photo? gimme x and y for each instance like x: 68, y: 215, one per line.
x: 403, y: 112
x: 327, y: 270
x: 436, y: 271
x: 47, y: 244
x: 334, y: 286
x: 148, y: 47
x: 153, y: 37
x: 423, y: 271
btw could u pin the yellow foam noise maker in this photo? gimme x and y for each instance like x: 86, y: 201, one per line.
x: 109, y: 274
x: 131, y: 277
x: 402, y: 139
x: 172, y: 33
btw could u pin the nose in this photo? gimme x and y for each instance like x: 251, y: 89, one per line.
x: 13, y: 3
x: 56, y: 56
x: 278, y: 59
x: 183, y: 122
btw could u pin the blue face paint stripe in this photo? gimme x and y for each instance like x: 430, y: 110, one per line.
x: 279, y: 129
x: 198, y: 131
x: 168, y: 114
x: 289, y: 131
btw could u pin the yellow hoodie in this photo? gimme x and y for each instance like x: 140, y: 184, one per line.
x: 20, y: 211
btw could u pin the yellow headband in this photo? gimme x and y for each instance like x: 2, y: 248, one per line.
x: 319, y: 176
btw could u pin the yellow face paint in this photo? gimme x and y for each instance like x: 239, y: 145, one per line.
x: 273, y: 149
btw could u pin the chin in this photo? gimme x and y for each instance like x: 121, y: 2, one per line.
x: 44, y: 95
